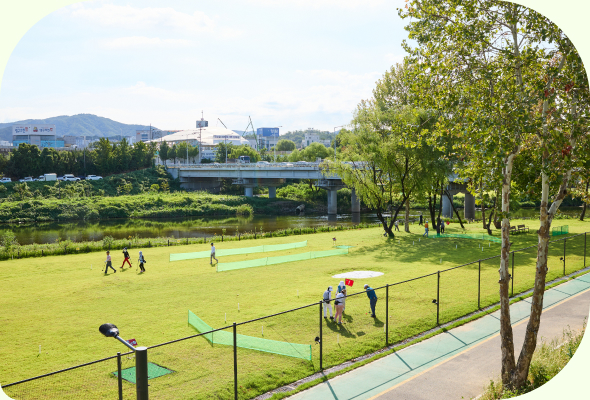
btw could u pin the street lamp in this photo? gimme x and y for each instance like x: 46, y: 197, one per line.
x: 141, y: 362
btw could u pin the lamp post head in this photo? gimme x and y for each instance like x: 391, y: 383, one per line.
x: 109, y: 330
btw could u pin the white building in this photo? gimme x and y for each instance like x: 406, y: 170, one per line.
x: 208, y: 137
x: 314, y: 138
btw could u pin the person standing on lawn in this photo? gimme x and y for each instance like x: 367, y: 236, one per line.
x: 425, y: 229
x: 141, y: 262
x: 342, y: 288
x: 372, y: 299
x: 109, y: 263
x: 127, y: 257
x: 327, y: 299
x: 213, y: 255
x: 339, y: 304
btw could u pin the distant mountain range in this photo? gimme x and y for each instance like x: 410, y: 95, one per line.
x: 78, y: 125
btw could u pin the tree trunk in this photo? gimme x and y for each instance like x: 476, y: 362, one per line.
x: 442, y: 189
x: 584, y: 206
x: 432, y: 204
x: 506, y: 336
x: 455, y: 210
x: 492, y: 213
x: 546, y: 217
x: 407, y: 219
x: 483, y: 206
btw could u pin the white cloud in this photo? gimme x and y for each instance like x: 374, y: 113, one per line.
x: 143, y: 41
x: 146, y: 19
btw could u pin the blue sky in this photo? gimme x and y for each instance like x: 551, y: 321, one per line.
x: 295, y: 64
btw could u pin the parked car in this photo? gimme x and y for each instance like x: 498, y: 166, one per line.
x: 5, y: 180
x: 70, y: 177
x: 27, y: 179
x: 93, y: 177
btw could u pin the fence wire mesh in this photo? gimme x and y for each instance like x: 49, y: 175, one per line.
x: 263, y: 371
x: 489, y: 289
x: 201, y: 370
x: 411, y: 309
x: 94, y: 381
x: 458, y: 292
x: 524, y: 269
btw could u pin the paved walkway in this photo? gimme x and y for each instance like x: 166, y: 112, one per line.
x: 457, y: 363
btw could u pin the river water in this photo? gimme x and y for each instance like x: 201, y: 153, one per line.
x: 196, y: 226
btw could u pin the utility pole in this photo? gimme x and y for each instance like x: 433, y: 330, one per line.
x: 225, y: 140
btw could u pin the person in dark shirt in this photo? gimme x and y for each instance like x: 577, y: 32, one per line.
x: 127, y: 257
x: 372, y: 299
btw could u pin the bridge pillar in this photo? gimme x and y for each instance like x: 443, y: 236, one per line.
x: 355, y: 202
x: 272, y: 192
x: 469, y: 210
x: 249, y: 191
x: 447, y: 208
x: 332, y: 201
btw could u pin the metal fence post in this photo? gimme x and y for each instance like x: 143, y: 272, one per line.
x: 437, y: 297
x: 235, y: 362
x: 321, y: 338
x: 512, y: 290
x: 564, y: 242
x: 387, y: 315
x: 584, y: 249
x: 141, y: 372
x: 479, y: 286
x: 119, y: 376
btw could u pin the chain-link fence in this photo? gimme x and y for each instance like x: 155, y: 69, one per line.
x: 243, y: 360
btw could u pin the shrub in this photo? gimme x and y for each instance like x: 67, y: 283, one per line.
x: 245, y: 210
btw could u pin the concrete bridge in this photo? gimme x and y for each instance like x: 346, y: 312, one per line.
x: 208, y: 177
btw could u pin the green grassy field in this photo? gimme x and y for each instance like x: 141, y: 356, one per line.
x: 59, y: 302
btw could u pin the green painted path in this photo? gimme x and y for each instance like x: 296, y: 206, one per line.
x: 382, y: 378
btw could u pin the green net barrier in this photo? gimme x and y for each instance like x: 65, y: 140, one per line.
x: 249, y: 342
x: 476, y: 236
x: 231, y: 252
x: 154, y: 371
x: 259, y: 262
x: 560, y: 230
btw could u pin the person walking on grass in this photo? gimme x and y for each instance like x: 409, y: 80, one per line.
x: 396, y: 225
x: 372, y: 299
x: 141, y: 262
x: 425, y: 229
x: 127, y: 257
x: 327, y: 299
x: 109, y: 263
x: 339, y: 304
x: 420, y: 223
x: 213, y: 255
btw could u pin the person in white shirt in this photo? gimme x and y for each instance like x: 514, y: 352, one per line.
x: 109, y: 263
x: 327, y: 299
x: 213, y: 255
x: 339, y: 303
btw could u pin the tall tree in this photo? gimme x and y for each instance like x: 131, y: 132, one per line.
x: 164, y: 150
x: 509, y: 82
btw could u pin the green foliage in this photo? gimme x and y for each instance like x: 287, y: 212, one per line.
x: 245, y: 210
x: 105, y: 159
x: 220, y: 152
x: 107, y: 242
x: 164, y: 152
x: 311, y: 153
x: 285, y: 145
x: 244, y: 150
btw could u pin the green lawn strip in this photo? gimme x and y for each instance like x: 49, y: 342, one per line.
x: 50, y: 295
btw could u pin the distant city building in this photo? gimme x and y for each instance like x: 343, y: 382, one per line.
x: 151, y: 134
x: 311, y: 137
x: 208, y: 137
x: 41, y: 135
x: 267, y: 137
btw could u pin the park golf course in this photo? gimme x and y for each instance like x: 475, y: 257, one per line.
x: 58, y: 303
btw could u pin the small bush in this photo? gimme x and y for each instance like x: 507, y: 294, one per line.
x: 245, y: 210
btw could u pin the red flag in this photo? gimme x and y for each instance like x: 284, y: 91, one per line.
x: 349, y: 282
